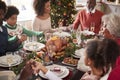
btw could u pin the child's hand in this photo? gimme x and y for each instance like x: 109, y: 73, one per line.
x: 23, y: 37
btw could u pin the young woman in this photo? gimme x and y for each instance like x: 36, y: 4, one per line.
x: 42, y: 21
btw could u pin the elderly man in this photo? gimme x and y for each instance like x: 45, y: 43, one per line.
x: 89, y: 18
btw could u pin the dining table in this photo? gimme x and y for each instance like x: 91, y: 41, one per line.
x: 74, y: 72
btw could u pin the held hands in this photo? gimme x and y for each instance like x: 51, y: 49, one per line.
x: 26, y: 72
x: 32, y: 67
x: 37, y: 66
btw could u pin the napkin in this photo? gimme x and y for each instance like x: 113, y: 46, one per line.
x: 7, y: 75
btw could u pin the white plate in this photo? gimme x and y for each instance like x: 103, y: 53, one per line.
x: 68, y: 64
x: 62, y: 74
x: 33, y: 46
x: 75, y: 56
x: 16, y: 59
x: 62, y: 34
x: 7, y: 75
x: 86, y: 32
x: 80, y: 52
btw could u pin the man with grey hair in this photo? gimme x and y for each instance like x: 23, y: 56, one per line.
x: 88, y: 18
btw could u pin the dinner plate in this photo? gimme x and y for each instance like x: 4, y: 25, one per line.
x: 7, y: 75
x: 62, y: 34
x: 68, y: 64
x: 16, y: 59
x: 80, y: 52
x: 33, y: 46
x: 86, y: 32
x: 75, y: 56
x: 61, y: 74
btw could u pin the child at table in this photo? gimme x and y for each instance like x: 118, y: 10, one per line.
x: 4, y: 46
x: 97, y: 55
x: 15, y: 31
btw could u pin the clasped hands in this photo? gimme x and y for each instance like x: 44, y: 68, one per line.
x: 32, y: 67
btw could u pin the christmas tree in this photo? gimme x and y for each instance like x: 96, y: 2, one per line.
x: 62, y: 12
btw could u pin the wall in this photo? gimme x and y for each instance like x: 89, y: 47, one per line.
x: 112, y: 8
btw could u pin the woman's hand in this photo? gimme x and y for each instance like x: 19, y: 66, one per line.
x: 37, y: 66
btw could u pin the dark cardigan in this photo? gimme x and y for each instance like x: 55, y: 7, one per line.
x: 4, y: 45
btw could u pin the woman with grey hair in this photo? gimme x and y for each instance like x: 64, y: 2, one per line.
x: 111, y: 26
x: 111, y: 29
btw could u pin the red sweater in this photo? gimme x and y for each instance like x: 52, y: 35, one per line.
x: 115, y: 73
x: 85, y: 19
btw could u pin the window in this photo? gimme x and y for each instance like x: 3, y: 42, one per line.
x: 81, y: 2
x: 25, y: 8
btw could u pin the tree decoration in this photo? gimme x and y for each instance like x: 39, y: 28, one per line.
x: 62, y: 12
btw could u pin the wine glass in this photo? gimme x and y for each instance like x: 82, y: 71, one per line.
x: 78, y: 37
x: 92, y: 27
x: 9, y: 59
x: 48, y: 36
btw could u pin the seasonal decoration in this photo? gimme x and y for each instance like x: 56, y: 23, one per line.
x: 62, y: 12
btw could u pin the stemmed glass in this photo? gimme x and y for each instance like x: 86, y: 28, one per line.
x: 92, y: 27
x: 70, y: 28
x: 78, y: 37
x: 9, y: 59
x: 48, y: 36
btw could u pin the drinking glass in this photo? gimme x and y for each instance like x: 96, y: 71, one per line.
x: 78, y: 37
x: 9, y: 59
x: 70, y: 27
x: 92, y: 27
x: 29, y: 39
x: 48, y: 36
x: 34, y: 38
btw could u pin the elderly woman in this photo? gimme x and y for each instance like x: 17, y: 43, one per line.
x: 111, y: 29
x: 111, y: 26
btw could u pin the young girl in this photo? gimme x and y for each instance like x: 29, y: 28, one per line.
x: 15, y: 30
x: 101, y: 56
